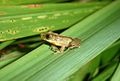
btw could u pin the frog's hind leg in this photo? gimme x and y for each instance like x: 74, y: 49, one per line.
x: 62, y: 49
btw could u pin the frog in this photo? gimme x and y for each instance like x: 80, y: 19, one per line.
x: 59, y: 42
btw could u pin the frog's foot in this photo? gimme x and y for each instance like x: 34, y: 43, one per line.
x: 57, y: 52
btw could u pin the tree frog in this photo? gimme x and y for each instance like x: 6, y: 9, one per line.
x: 59, y: 42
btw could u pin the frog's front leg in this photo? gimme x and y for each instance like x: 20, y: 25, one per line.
x: 55, y: 49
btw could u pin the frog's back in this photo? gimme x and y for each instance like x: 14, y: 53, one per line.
x: 61, y: 41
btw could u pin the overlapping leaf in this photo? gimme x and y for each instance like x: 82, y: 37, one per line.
x: 26, y: 23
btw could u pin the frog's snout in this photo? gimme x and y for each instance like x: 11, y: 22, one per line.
x: 43, y: 36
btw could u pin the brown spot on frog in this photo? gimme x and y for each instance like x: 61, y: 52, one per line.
x: 59, y: 42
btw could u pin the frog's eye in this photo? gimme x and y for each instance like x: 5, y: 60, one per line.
x: 48, y: 36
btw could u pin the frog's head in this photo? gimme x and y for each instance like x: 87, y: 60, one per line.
x: 75, y: 43
x: 46, y: 36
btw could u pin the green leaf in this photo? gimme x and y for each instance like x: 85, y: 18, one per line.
x: 16, y: 2
x: 106, y: 73
x: 23, y: 25
x: 87, y: 71
x: 93, y: 68
x: 96, y: 33
x: 6, y: 59
x: 116, y: 76
x: 111, y: 52
x: 5, y: 44
x: 40, y: 8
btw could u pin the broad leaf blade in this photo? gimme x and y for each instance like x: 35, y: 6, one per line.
x: 39, y: 8
x: 13, y: 27
x: 44, y: 65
